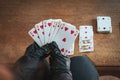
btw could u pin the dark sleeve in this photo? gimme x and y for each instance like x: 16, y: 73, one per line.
x: 26, y: 66
x: 62, y: 76
x: 59, y: 64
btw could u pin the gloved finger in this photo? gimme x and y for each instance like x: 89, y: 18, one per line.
x: 36, y: 46
x: 54, y: 46
x: 55, y: 49
x: 32, y: 48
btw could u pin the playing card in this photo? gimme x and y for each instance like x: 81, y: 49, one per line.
x: 35, y: 36
x: 47, y: 27
x: 70, y: 48
x: 65, y: 37
x: 86, y: 32
x: 86, y: 39
x: 56, y: 26
x: 39, y: 28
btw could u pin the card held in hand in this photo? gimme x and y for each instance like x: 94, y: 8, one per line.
x: 33, y: 33
x: 63, y: 33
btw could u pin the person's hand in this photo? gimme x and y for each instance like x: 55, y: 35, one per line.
x: 27, y: 65
x: 34, y: 50
x: 58, y: 62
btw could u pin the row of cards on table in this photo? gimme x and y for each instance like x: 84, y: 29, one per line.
x: 64, y: 34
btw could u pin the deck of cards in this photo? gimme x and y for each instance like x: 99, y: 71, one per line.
x: 86, y: 43
x: 104, y: 24
x: 64, y: 34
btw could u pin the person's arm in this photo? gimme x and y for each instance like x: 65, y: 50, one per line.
x: 26, y: 66
x: 60, y: 64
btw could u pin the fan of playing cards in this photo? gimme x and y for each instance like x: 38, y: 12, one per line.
x: 64, y: 34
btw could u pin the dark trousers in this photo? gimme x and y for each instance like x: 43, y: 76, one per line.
x: 82, y: 68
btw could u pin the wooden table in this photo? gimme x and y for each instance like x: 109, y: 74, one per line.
x: 18, y: 16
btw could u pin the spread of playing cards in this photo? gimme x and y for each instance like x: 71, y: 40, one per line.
x: 64, y: 34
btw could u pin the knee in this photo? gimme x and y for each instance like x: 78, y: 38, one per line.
x: 82, y: 68
x: 81, y: 59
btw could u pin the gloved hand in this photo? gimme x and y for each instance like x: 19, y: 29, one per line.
x: 58, y: 62
x: 38, y: 52
x: 27, y: 65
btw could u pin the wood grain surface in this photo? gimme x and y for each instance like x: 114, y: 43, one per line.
x: 18, y: 16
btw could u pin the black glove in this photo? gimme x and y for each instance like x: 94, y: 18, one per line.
x: 38, y: 52
x: 27, y: 65
x: 58, y: 62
